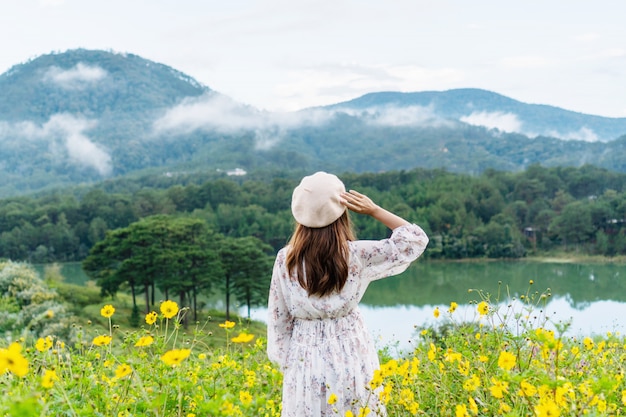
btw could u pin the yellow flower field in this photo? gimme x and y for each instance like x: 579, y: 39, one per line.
x: 502, y: 362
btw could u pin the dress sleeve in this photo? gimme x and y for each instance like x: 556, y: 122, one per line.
x: 391, y: 256
x: 279, y: 321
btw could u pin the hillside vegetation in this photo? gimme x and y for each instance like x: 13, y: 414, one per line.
x: 495, y: 214
x: 82, y: 116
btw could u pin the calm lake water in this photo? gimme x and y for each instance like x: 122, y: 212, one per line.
x: 590, y: 296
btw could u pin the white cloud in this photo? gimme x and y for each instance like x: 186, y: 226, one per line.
x: 77, y: 77
x: 398, y: 116
x: 214, y: 112
x: 65, y: 137
x: 584, y: 134
x: 506, y: 122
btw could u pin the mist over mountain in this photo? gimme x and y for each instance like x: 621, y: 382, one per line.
x: 82, y: 116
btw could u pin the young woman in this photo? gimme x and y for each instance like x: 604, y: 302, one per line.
x: 316, y: 333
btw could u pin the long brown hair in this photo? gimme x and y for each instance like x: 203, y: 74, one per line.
x: 319, y: 256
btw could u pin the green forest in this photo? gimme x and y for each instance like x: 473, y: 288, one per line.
x: 492, y: 215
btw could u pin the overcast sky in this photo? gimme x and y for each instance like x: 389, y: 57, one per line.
x: 284, y: 55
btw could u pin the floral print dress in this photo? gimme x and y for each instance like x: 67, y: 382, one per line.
x: 321, y: 343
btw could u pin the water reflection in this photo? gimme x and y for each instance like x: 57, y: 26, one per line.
x: 592, y: 297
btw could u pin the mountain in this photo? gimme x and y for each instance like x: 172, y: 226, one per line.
x: 489, y: 109
x: 83, y: 116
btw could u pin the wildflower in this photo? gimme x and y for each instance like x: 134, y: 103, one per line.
x: 123, y: 370
x: 151, y: 318
x: 227, y: 324
x: 498, y: 388
x: 547, y: 408
x: 588, y: 343
x: 245, y: 398
x: 506, y: 360
x: 242, y: 338
x: 472, y: 383
x: 504, y: 408
x: 436, y: 312
x: 48, y: 379
x: 377, y: 379
x: 144, y: 341
x: 473, y: 405
x: 175, y: 356
x: 49, y: 314
x: 107, y: 311
x: 483, y: 308
x: 453, y: 307
x: 363, y: 411
x: 432, y: 352
x: 461, y: 411
x: 349, y: 414
x: 527, y: 389
x: 169, y: 309
x: 11, y: 360
x: 44, y: 344
x: 102, y: 340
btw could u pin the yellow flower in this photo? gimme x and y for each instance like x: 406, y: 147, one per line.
x: 527, y: 389
x: 588, y: 343
x: 242, y: 338
x: 461, y: 411
x: 151, y: 318
x: 245, y: 398
x: 44, y: 344
x: 506, y: 360
x: 453, y: 307
x: 49, y: 314
x: 144, y: 341
x: 332, y: 399
x: 227, y: 324
x: 169, y: 309
x: 175, y: 356
x: 349, y: 414
x: 498, y: 388
x: 547, y: 408
x: 473, y: 405
x: 122, y: 370
x: 11, y: 360
x: 101, y: 340
x: 107, y: 311
x: 483, y: 308
x: 48, y: 379
x: 436, y: 312
x: 364, y: 411
x: 472, y: 383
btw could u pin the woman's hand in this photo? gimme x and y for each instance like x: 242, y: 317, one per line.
x: 357, y: 202
x: 362, y: 204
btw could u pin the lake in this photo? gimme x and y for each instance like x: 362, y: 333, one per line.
x: 591, y: 296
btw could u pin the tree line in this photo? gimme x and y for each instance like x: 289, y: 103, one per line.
x: 183, y: 258
x: 496, y: 214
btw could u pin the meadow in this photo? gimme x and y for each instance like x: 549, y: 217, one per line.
x: 508, y: 360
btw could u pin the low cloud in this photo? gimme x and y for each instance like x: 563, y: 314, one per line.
x: 410, y: 116
x: 505, y: 122
x: 79, y: 76
x: 218, y: 113
x: 65, y: 137
x: 584, y: 134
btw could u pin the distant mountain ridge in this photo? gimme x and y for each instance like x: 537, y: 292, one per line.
x: 473, y: 106
x: 82, y: 116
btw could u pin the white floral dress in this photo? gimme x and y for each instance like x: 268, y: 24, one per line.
x: 321, y: 343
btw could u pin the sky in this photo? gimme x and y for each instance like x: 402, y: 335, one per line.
x: 285, y: 55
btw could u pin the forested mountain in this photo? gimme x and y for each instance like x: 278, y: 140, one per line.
x: 82, y: 116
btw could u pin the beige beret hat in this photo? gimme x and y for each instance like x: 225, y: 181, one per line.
x: 316, y: 201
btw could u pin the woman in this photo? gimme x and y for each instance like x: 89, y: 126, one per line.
x: 316, y: 333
